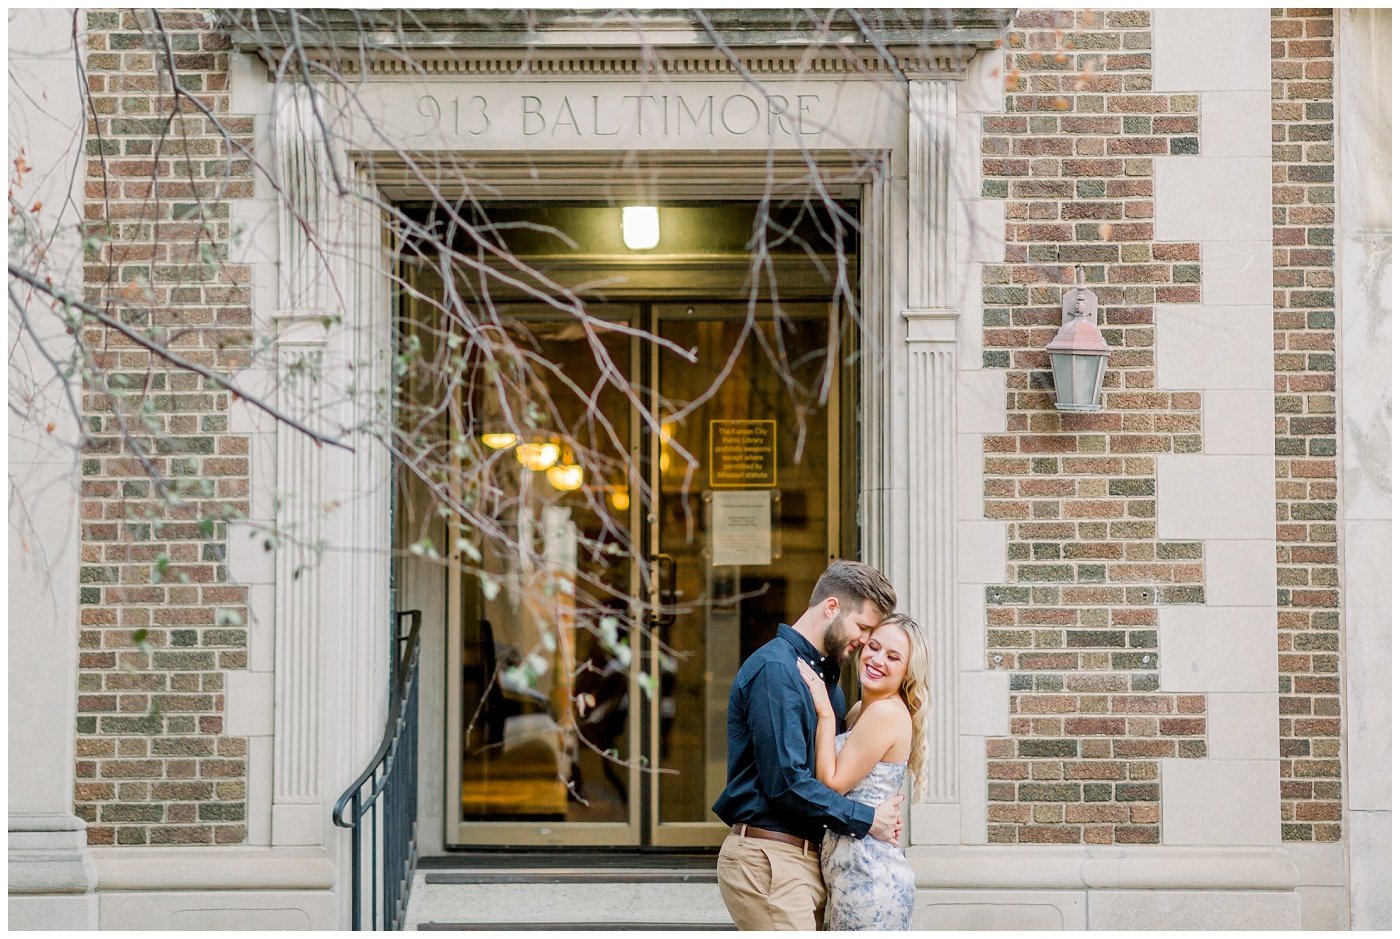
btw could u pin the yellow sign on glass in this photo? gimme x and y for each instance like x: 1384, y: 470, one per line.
x: 743, y: 454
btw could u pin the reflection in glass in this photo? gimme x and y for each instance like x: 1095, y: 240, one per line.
x: 546, y: 645
x: 724, y: 612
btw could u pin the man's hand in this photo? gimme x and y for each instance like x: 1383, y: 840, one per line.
x: 888, y: 820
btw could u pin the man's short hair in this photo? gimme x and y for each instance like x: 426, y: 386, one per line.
x: 852, y: 583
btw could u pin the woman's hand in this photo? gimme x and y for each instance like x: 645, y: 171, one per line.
x: 817, y: 688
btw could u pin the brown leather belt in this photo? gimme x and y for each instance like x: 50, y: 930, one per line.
x: 749, y: 831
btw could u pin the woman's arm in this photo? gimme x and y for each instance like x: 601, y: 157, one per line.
x: 825, y: 768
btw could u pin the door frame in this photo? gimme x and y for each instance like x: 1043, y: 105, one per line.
x: 875, y: 177
x: 644, y: 826
x: 711, y: 833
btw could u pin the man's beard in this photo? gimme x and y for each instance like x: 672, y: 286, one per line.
x: 836, y: 643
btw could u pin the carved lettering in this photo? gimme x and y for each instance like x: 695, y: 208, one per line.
x: 777, y: 110
x: 724, y: 114
x: 429, y: 107
x: 733, y: 115
x: 530, y: 108
x: 597, y: 125
x: 707, y: 111
x: 478, y: 121
x: 565, y: 109
x: 802, y: 106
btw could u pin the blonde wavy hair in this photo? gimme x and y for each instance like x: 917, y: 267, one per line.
x: 915, y: 693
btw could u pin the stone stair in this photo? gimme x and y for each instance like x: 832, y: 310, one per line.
x: 564, y: 891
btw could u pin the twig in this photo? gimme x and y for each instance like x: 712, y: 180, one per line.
x: 176, y: 360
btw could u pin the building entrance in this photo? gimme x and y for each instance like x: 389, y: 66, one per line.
x: 669, y: 485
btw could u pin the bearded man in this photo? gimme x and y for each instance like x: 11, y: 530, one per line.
x: 769, y: 867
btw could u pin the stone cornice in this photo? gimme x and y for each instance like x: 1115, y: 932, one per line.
x: 429, y: 43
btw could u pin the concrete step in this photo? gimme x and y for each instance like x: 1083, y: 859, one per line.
x: 566, y: 898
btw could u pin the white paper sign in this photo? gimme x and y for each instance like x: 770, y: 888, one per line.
x: 741, y: 527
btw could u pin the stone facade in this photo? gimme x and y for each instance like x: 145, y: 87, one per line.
x: 1076, y: 623
x: 1305, y: 364
x: 161, y: 625
x: 1147, y: 601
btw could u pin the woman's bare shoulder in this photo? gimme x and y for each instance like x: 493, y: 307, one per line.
x: 888, y: 710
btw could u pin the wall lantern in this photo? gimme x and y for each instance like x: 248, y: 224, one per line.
x: 641, y: 227
x: 537, y: 456
x: 1078, y: 353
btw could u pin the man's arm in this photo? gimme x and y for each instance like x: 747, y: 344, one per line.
x: 778, y: 719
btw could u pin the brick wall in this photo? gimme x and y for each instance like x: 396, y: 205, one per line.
x: 1076, y: 622
x: 160, y: 623
x: 1305, y: 425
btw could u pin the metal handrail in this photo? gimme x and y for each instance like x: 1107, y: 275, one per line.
x: 392, y: 774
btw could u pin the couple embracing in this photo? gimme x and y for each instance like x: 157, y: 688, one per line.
x: 814, y: 793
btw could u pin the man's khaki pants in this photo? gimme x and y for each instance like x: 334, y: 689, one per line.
x: 771, y: 885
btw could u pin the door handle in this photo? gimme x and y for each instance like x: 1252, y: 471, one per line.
x: 666, y: 590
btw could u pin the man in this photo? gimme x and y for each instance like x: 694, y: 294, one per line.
x: 769, y: 867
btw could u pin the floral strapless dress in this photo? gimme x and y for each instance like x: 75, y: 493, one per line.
x: 869, y: 883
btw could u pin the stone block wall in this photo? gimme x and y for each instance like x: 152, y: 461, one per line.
x: 1305, y: 406
x: 1102, y: 165
x: 161, y: 625
x: 1076, y: 623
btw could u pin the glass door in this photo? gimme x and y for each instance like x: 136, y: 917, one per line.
x: 593, y: 660
x: 746, y: 509
x: 543, y: 740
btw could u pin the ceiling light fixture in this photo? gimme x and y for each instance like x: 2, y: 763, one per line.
x: 641, y: 227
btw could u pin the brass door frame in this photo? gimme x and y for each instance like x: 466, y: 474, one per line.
x: 533, y: 833
x: 711, y: 833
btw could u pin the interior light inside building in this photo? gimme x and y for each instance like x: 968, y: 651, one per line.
x: 537, y: 456
x: 566, y: 477
x: 620, y: 498
x: 641, y: 227
x: 498, y: 441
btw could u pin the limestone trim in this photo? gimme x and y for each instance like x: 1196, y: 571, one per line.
x: 841, y: 173
x: 931, y: 346
x: 638, y: 43
x: 298, y: 675
x: 230, y: 869
x: 299, y: 678
x: 932, y: 109
x: 1118, y: 868
x: 948, y: 62
x: 48, y: 855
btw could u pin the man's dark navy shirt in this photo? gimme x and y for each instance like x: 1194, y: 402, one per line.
x: 772, y: 743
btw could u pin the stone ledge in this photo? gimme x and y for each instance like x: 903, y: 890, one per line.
x: 145, y: 868
x: 1078, y: 868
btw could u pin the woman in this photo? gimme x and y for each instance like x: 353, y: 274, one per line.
x: 869, y: 883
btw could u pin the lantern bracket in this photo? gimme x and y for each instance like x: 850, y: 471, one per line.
x: 1069, y: 303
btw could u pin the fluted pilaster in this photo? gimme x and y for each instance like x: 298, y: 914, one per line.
x: 931, y: 347
x: 931, y: 243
